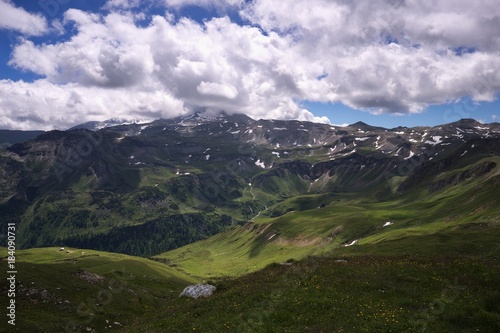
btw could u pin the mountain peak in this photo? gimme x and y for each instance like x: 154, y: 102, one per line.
x: 97, y: 125
x: 359, y: 124
x: 364, y: 126
x: 466, y: 122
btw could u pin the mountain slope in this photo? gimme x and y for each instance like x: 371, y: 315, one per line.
x: 74, y: 289
x: 10, y: 137
x: 84, y: 290
x: 351, y: 220
x: 147, y: 188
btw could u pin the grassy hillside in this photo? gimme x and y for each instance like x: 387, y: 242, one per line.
x: 59, y: 291
x: 361, y: 294
x: 452, y: 212
x: 348, y: 290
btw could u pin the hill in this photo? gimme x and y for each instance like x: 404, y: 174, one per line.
x: 71, y: 289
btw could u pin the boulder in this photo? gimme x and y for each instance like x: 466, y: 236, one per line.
x: 195, y: 291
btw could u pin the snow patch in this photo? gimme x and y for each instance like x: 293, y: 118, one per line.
x: 260, y: 164
x: 351, y: 243
x: 351, y: 152
x: 437, y: 140
x: 410, y: 156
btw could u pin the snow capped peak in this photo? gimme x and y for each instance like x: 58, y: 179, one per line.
x: 98, y: 125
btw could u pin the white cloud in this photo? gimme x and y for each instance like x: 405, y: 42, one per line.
x: 217, y: 89
x: 18, y: 19
x: 43, y: 104
x: 382, y: 56
x: 351, y: 43
x: 218, y: 65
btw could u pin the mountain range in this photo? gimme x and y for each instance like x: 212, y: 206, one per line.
x: 144, y: 188
x: 302, y: 227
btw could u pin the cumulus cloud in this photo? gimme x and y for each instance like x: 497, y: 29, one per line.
x: 215, y: 65
x: 386, y: 56
x: 390, y: 56
x: 17, y: 19
x: 42, y: 104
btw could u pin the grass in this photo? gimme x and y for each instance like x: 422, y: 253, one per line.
x: 300, y: 233
x: 51, y: 292
x: 361, y: 294
x: 444, y: 282
x: 231, y: 253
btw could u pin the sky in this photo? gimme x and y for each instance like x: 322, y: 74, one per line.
x: 384, y: 62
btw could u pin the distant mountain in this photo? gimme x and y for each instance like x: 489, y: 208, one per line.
x: 147, y: 187
x: 98, y: 125
x: 9, y: 137
x: 365, y: 127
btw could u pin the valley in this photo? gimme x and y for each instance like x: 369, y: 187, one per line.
x: 302, y: 227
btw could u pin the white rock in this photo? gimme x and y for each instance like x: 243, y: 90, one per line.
x: 195, y: 291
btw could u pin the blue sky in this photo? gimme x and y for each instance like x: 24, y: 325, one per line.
x: 485, y: 112
x: 63, y: 62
